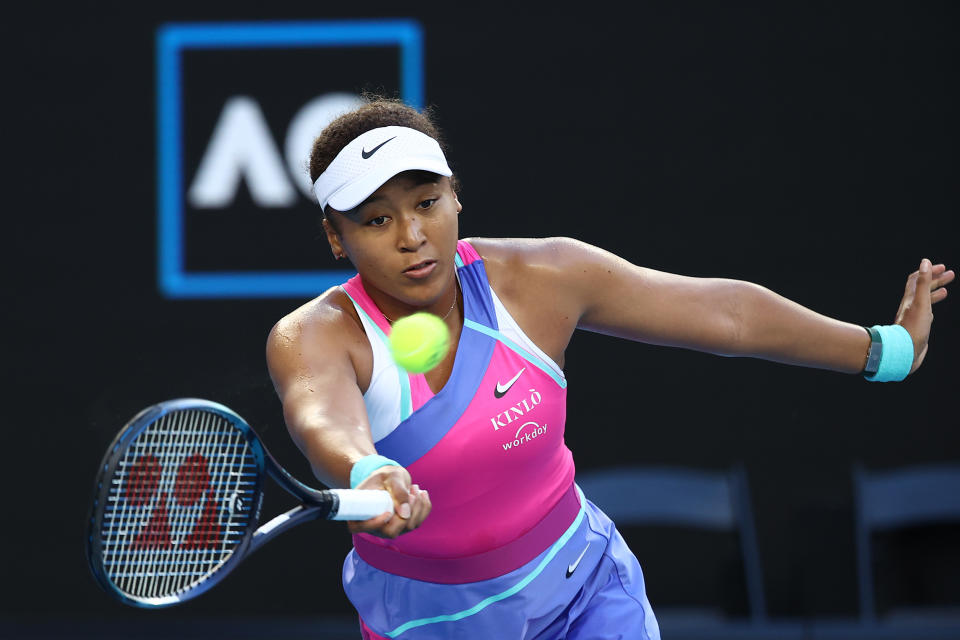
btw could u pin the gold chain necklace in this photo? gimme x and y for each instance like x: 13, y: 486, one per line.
x: 452, y: 304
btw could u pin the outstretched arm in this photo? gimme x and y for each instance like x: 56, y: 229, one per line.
x: 729, y: 317
x: 314, y: 376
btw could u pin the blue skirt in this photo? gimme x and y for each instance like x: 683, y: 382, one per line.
x: 587, y: 585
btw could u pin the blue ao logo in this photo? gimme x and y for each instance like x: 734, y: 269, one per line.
x: 238, y: 108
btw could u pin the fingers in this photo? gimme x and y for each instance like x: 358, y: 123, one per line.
x: 928, y: 279
x: 397, y: 484
x: 421, y: 506
x: 411, y: 504
x: 369, y: 526
x: 938, y: 270
x: 941, y: 278
x: 923, y: 280
x: 410, y: 514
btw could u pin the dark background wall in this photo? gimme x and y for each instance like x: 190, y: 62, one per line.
x: 808, y: 147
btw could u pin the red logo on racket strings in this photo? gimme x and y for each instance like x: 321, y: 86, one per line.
x: 192, y: 483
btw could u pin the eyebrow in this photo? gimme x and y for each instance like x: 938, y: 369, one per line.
x: 419, y: 178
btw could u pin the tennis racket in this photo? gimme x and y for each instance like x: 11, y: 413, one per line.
x: 177, y: 502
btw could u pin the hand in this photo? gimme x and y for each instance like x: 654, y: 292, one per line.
x: 925, y: 288
x: 411, y: 505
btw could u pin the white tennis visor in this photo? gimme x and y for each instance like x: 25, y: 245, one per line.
x: 371, y: 159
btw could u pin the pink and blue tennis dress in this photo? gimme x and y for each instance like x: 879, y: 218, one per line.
x: 511, y: 549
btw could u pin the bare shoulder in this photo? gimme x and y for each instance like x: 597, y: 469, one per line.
x: 321, y: 331
x: 314, y: 319
x: 532, y: 277
x: 545, y: 249
x: 509, y: 261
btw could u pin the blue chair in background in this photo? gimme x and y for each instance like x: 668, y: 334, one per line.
x: 683, y: 497
x: 889, y: 500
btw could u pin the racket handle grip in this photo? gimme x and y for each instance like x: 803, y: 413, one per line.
x: 361, y: 504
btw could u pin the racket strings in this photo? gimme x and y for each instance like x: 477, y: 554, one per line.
x: 179, y: 502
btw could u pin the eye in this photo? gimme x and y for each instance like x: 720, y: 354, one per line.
x: 426, y: 204
x: 379, y: 221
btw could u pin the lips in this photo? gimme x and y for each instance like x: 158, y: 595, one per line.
x: 421, y: 269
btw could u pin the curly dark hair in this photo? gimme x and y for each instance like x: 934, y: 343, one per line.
x: 377, y: 112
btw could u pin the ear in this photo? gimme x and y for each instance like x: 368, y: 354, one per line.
x: 453, y: 192
x: 334, y: 239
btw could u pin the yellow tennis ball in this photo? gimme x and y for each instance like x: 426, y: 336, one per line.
x: 419, y: 342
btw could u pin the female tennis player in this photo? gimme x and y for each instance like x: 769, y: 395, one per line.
x: 491, y: 536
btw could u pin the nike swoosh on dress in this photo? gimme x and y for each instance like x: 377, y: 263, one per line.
x: 502, y: 389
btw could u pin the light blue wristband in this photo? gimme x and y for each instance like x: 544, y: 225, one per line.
x: 897, y: 356
x: 366, y: 465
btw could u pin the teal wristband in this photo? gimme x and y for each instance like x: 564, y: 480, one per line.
x: 897, y: 357
x: 366, y: 465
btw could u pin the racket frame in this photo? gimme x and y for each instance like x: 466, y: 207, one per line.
x: 317, y: 504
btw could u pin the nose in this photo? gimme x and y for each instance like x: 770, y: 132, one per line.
x: 410, y: 233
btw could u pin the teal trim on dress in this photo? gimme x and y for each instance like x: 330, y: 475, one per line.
x: 486, y: 602
x: 458, y: 260
x: 534, y: 360
x: 406, y: 404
